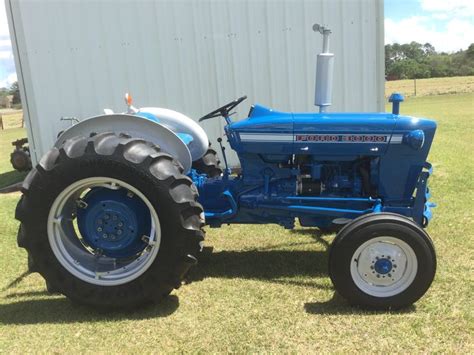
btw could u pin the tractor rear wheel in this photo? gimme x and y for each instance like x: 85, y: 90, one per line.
x: 209, y: 164
x: 110, y: 221
x: 382, y: 261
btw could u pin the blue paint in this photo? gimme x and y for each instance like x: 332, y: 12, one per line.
x: 383, y: 266
x: 314, y: 167
x: 395, y: 99
x: 350, y: 164
x: 114, y: 222
x: 149, y: 116
x: 186, y: 138
x: 415, y: 139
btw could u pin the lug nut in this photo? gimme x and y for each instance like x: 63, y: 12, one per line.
x: 119, y: 232
x: 106, y: 216
x: 120, y: 224
x: 99, y: 229
x: 104, y: 235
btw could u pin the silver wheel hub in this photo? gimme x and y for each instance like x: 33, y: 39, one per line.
x: 77, y: 256
x: 384, y: 266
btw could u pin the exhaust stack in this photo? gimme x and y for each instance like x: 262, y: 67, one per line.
x: 324, y: 71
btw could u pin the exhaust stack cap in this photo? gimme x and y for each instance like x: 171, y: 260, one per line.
x: 395, y: 99
x: 324, y: 71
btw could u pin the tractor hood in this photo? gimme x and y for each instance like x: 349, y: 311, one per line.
x: 262, y: 117
x: 274, y: 132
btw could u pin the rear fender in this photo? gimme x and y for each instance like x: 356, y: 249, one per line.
x: 136, y: 127
x: 177, y: 122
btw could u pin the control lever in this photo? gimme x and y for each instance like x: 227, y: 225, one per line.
x: 219, y: 140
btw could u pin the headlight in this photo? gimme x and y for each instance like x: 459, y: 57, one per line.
x: 415, y: 139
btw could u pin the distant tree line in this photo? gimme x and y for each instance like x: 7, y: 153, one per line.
x: 415, y: 61
x: 13, y: 90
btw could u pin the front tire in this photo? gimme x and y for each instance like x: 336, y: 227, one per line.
x: 154, y: 234
x: 382, y: 261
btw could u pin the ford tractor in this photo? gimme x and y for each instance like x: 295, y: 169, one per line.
x: 113, y: 215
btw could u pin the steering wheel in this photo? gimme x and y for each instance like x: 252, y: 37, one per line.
x: 224, y: 110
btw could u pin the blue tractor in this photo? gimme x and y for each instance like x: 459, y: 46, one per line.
x: 113, y: 215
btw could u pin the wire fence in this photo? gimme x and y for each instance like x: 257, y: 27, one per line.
x: 432, y: 86
x: 11, y: 119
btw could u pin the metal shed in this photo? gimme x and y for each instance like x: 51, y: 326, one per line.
x: 75, y: 58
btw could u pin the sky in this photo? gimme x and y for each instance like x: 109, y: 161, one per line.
x: 447, y: 24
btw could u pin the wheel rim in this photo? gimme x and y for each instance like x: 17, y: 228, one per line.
x: 384, y: 266
x: 103, y: 262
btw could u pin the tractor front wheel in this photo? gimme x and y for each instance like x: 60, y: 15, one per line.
x: 110, y: 221
x: 382, y: 261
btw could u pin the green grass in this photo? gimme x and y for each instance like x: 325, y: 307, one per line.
x: 432, y: 86
x: 11, y: 118
x: 267, y: 289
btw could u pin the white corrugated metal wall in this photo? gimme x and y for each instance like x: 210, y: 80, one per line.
x: 75, y: 58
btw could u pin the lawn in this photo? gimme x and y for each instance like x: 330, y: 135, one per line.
x: 11, y: 118
x: 432, y: 86
x: 267, y: 289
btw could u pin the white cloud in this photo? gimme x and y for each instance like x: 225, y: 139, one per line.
x: 6, y: 54
x: 457, y: 33
x: 7, y: 64
x: 6, y: 83
x: 4, y: 32
x: 5, y: 43
x: 454, y: 8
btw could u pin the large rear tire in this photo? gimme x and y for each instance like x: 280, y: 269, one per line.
x: 209, y: 164
x: 382, y: 261
x: 146, y: 264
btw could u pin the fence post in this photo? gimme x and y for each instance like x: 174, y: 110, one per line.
x: 1, y: 122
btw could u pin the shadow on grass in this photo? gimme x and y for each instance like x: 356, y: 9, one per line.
x: 265, y: 265
x: 315, y: 233
x: 339, y: 306
x: 11, y: 177
x: 269, y: 265
x: 61, y: 310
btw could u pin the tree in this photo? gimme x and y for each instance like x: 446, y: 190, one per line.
x: 15, y: 91
x: 429, y: 49
x: 414, y: 60
x: 470, y: 52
